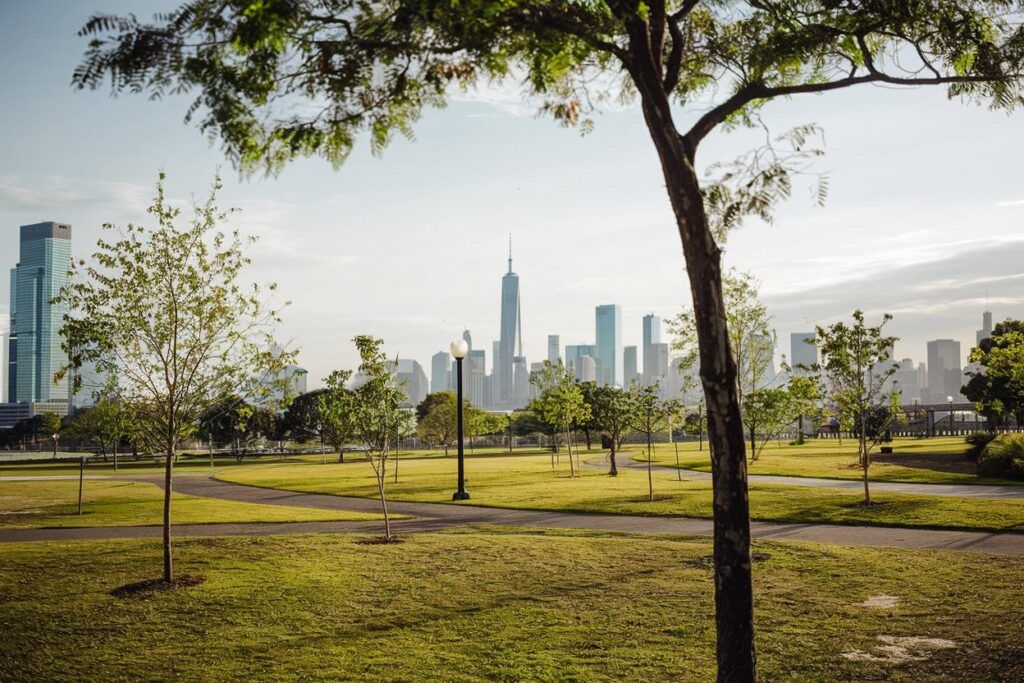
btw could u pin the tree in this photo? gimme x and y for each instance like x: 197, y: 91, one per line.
x: 997, y: 387
x: 774, y: 409
x: 751, y: 340
x: 376, y: 404
x: 694, y: 66
x: 612, y: 413
x: 161, y: 310
x: 336, y: 411
x: 437, y: 417
x: 589, y: 425
x: 233, y: 421
x: 560, y: 402
x: 303, y: 418
x: 650, y: 415
x: 49, y: 426
x: 856, y: 366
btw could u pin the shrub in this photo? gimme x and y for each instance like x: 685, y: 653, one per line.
x: 1003, y: 457
x: 977, y: 442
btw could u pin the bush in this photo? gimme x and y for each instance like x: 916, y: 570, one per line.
x: 977, y: 442
x: 1003, y: 457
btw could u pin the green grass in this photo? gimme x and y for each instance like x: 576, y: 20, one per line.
x: 34, y: 504
x: 530, y: 482
x: 490, y: 605
x: 939, y: 460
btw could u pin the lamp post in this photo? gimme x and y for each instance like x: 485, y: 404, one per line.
x: 459, y: 350
x: 949, y: 399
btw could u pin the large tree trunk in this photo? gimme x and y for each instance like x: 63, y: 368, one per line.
x: 614, y: 471
x: 734, y: 602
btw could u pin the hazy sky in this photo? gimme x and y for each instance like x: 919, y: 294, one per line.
x: 923, y: 220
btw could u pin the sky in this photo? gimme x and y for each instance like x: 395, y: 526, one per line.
x: 923, y: 218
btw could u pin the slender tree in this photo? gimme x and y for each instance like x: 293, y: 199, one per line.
x: 856, y: 366
x: 771, y: 410
x: 650, y: 415
x: 560, y: 403
x: 612, y: 414
x: 693, y: 66
x: 162, y: 310
x: 375, y: 407
x: 336, y: 410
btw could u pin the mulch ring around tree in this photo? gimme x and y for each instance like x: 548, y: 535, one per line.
x: 144, y: 589
x: 378, y: 540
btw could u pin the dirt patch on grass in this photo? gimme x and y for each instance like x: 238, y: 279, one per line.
x: 900, y: 649
x: 378, y: 540
x: 144, y: 589
x: 881, y: 602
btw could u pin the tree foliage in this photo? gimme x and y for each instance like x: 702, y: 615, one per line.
x: 997, y: 387
x: 772, y: 410
x: 161, y: 311
x: 855, y: 366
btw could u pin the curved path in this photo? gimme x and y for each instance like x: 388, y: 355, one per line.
x: 992, y: 491
x: 437, y: 516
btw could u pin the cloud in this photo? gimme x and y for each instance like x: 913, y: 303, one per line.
x: 1012, y: 202
x: 58, y: 192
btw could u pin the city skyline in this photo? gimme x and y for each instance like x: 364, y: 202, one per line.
x: 591, y: 224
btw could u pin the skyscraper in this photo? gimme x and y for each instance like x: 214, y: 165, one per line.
x: 986, y: 327
x: 945, y: 376
x: 554, y: 348
x: 511, y: 342
x: 659, y: 363
x: 608, y: 335
x: 652, y: 336
x: 802, y: 351
x: 5, y: 322
x: 630, y: 375
x: 574, y: 354
x: 413, y: 381
x: 35, y: 347
x: 475, y: 369
x: 440, y: 373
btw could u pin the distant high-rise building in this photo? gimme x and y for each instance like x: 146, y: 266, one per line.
x: 803, y: 351
x: 765, y: 344
x: 520, y: 382
x: 468, y: 338
x: 588, y: 369
x: 659, y: 363
x: 630, y: 375
x: 651, y: 336
x: 475, y: 369
x: 413, y: 381
x: 945, y: 375
x: 5, y: 323
x: 554, y: 348
x: 35, y: 347
x: 573, y: 355
x: 986, y: 327
x: 440, y: 373
x: 608, y: 337
x: 907, y: 381
x: 511, y: 331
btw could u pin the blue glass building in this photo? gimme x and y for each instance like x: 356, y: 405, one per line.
x: 35, y: 353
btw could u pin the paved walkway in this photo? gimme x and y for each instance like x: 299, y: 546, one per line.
x: 436, y: 516
x: 994, y: 491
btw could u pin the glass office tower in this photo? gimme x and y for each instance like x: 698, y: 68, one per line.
x: 35, y: 346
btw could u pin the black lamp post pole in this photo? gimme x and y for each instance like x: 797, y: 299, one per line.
x: 461, y: 494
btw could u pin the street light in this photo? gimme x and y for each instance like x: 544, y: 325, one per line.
x: 950, y: 400
x: 459, y: 350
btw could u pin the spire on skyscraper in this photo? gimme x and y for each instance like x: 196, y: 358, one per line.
x: 510, y: 253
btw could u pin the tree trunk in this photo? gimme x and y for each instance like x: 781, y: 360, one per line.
x: 168, y: 468
x: 381, y: 473
x: 586, y: 432
x: 864, y: 457
x: 614, y: 471
x: 650, y: 470
x: 734, y: 600
x: 341, y: 455
x: 115, y: 455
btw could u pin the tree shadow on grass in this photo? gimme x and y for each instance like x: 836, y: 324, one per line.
x: 144, y: 589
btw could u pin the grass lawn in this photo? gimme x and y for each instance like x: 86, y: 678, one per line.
x: 32, y: 504
x: 939, y: 460
x: 530, y: 482
x: 495, y: 605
